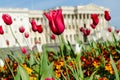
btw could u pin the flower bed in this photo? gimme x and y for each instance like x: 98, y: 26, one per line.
x: 97, y: 60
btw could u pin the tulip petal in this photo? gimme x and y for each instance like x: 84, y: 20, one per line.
x: 59, y: 22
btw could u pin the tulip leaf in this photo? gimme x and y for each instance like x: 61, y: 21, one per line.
x: 17, y: 76
x: 79, y: 67
x: 115, y: 40
x: 115, y: 68
x: 92, y: 75
x: 23, y: 73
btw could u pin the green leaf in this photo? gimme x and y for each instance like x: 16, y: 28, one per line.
x: 79, y: 67
x: 114, y: 67
x: 92, y: 75
x: 31, y: 61
x: 17, y: 76
x: 23, y: 73
x: 115, y: 40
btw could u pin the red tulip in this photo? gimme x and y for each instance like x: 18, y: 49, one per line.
x: 34, y: 25
x: 39, y: 28
x: 95, y: 19
x: 81, y: 29
x: 26, y: 34
x: 117, y: 30
x: 107, y: 16
x: 24, y: 50
x: 86, y: 32
x: 109, y: 29
x: 93, y: 26
x: 49, y: 78
x: 53, y: 37
x: 7, y: 19
x: 56, y: 21
x: 1, y: 30
x: 21, y: 29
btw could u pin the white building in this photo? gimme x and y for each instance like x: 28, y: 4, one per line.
x: 74, y: 18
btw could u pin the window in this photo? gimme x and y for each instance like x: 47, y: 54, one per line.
x: 66, y: 37
x: 35, y: 40
x: 80, y: 15
x: 14, y: 19
x: 69, y: 26
x: 70, y: 37
x: 83, y: 16
x: 40, y: 39
x: 21, y: 19
x: 31, y: 40
x: 87, y: 16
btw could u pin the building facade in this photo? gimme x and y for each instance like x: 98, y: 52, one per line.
x: 74, y: 18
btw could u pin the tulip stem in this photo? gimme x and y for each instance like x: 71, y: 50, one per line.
x: 60, y: 41
x: 10, y: 69
x: 14, y: 37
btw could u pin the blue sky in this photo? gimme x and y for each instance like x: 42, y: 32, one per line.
x: 113, y: 5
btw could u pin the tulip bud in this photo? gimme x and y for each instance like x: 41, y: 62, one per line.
x: 1, y: 30
x: 26, y: 35
x: 7, y: 19
x: 78, y: 48
x: 53, y: 37
x: 109, y: 29
x: 7, y: 42
x: 49, y: 78
x: 39, y: 28
x: 24, y: 50
x: 34, y: 25
x: 117, y: 31
x: 107, y: 16
x: 81, y: 29
x: 21, y: 29
x: 1, y: 63
x: 56, y: 21
x: 93, y: 26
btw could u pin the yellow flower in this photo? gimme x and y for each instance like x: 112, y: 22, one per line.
x: 29, y: 70
x: 58, y: 73
x: 109, y: 68
x: 96, y: 63
x: 33, y: 77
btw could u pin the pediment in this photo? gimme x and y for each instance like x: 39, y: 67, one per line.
x: 91, y: 7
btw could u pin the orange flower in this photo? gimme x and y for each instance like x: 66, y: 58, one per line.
x: 103, y: 78
x: 96, y: 63
x: 109, y: 68
x: 118, y: 65
x: 58, y: 73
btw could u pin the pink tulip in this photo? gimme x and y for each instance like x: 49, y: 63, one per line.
x: 1, y: 30
x: 24, y: 50
x: 34, y: 25
x: 26, y: 35
x: 21, y: 29
x: 56, y: 21
x: 107, y: 16
x: 7, y: 19
x: 39, y: 28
